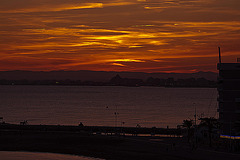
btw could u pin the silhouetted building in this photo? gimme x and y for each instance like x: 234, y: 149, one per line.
x: 229, y: 98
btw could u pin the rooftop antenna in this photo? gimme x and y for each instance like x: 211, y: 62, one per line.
x: 219, y: 51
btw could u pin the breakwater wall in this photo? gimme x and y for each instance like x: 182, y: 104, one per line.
x: 92, y: 129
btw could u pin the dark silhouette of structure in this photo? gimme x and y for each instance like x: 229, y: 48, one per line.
x: 229, y: 98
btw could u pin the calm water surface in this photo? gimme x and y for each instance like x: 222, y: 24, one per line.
x: 40, y: 156
x: 69, y: 105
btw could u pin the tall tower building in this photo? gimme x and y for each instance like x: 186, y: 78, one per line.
x: 229, y: 98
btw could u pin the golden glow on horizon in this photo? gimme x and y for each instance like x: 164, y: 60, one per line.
x: 127, y: 60
x: 118, y: 64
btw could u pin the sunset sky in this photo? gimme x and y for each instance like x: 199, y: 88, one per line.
x: 118, y: 35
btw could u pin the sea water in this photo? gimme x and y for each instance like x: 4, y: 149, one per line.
x: 105, y: 105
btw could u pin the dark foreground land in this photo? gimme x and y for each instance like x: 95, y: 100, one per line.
x: 57, y: 139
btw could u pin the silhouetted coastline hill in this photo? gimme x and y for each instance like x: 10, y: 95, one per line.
x: 98, y: 76
x: 94, y: 78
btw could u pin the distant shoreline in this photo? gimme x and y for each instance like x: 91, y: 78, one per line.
x: 107, y: 85
x: 97, y: 78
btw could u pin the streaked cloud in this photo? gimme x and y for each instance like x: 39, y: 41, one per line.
x: 134, y: 35
x: 54, y: 9
x: 54, y: 6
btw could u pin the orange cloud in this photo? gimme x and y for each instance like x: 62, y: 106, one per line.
x: 134, y: 35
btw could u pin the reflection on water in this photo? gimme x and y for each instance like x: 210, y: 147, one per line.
x: 40, y: 156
